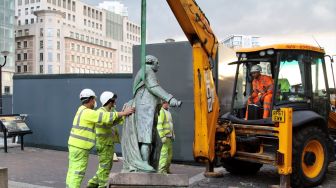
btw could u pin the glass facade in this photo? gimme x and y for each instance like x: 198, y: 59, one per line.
x: 114, y: 26
x: 7, y: 31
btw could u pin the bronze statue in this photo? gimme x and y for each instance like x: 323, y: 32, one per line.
x: 138, y: 128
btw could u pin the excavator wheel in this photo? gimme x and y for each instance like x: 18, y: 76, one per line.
x: 238, y: 167
x: 310, y: 157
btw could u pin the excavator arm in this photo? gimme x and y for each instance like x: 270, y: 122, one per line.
x: 195, y: 25
x: 205, y: 45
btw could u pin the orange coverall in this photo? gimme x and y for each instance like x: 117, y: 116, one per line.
x: 263, y: 91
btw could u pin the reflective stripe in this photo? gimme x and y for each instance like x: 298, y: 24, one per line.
x: 104, y: 135
x: 82, y: 138
x: 79, y: 173
x: 103, y: 126
x: 168, y: 129
x: 268, y: 103
x: 83, y: 128
x: 100, y: 119
x: 79, y: 116
x: 111, y: 116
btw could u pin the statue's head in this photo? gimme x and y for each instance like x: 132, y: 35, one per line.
x: 153, y: 62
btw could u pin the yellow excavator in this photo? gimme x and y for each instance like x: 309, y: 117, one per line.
x: 297, y: 138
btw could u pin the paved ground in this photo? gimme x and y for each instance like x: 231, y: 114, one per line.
x: 41, y: 168
x: 38, y: 168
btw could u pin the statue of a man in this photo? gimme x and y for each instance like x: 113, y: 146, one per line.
x: 147, y: 95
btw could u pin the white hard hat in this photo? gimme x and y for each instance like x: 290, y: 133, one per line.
x: 86, y: 93
x: 255, y: 68
x: 151, y: 59
x: 106, y: 96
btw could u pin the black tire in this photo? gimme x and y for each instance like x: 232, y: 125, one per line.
x: 302, y: 138
x: 239, y: 167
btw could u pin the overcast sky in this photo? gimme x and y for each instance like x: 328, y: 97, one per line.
x: 271, y: 19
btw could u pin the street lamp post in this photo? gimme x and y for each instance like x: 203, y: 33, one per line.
x: 5, y: 54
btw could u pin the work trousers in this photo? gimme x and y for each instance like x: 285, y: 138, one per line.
x: 166, y: 156
x: 78, y: 160
x: 266, y: 105
x: 105, y: 157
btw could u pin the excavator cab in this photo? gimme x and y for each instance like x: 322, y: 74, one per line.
x: 299, y: 79
x: 300, y: 85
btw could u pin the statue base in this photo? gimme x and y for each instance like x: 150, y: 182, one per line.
x: 139, y: 180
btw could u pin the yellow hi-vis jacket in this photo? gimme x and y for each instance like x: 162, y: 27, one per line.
x: 107, y: 133
x: 82, y: 133
x: 165, y: 124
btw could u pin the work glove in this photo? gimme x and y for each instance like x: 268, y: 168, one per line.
x: 164, y: 140
x: 174, y: 102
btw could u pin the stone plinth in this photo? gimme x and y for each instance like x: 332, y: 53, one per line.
x: 3, y: 177
x: 133, y: 180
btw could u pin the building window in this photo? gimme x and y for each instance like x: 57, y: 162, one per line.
x: 84, y: 21
x: 59, y: 3
x: 19, y: 2
x: 50, y: 44
x: 18, y: 68
x: 26, y: 31
x: 64, y: 3
x: 25, y: 44
x: 32, y: 20
x: 25, y: 69
x: 73, y: 6
x: 72, y: 46
x: 78, y: 59
x: 25, y: 56
x: 41, y: 44
x: 58, y: 45
x: 58, y: 33
x: 26, y: 21
x: 18, y: 45
x: 41, y: 69
x: 38, y: 7
x: 7, y: 90
x: 83, y: 49
x: 41, y: 32
x: 73, y: 18
x: 49, y: 32
x: 31, y: 10
x: 50, y: 69
x: 26, y: 11
x: 69, y: 5
x: 88, y: 50
x: 58, y: 57
x: 78, y: 48
x: 73, y: 58
x: 19, y: 12
x: 77, y: 36
x: 19, y: 57
x: 19, y: 22
x: 50, y: 57
x: 54, y: 2
x: 83, y: 60
x: 41, y: 56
